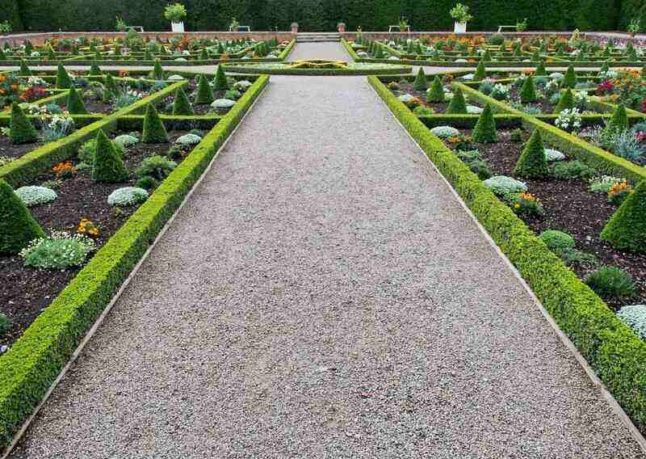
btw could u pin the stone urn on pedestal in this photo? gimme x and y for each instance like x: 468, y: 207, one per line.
x: 294, y: 27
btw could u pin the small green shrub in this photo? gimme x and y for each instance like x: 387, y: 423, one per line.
x: 516, y: 135
x: 20, y: 128
x: 5, y: 324
x: 436, y: 92
x: 221, y: 83
x: 481, y: 72
x: 204, y: 93
x: 420, y: 83
x: 63, y: 80
x: 457, y: 104
x: 485, y: 128
x: 567, y: 170
x: 157, y: 167
x: 87, y: 151
x: 158, y: 71
x: 611, y: 282
x: 626, y: 228
x: 528, y: 91
x: 532, y: 162
x: 75, y: 104
x: 17, y: 226
x: 35, y: 195
x: 147, y: 183
x: 181, y: 104
x: 566, y: 101
x: 569, y: 79
x: 59, y: 251
x: 557, y: 241
x: 154, y: 130
x: 108, y: 166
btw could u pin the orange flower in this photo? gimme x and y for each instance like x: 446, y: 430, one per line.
x: 64, y: 170
x: 88, y: 228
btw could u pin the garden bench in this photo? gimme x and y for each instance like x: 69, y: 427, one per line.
x: 242, y: 28
x: 399, y: 29
x: 502, y: 27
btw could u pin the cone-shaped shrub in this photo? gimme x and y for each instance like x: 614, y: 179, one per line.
x: 204, y: 92
x: 540, y: 69
x: 51, y: 54
x: 481, y: 72
x: 379, y: 54
x: 485, y: 129
x: 420, y: 80
x: 3, y: 56
x: 17, y: 227
x: 24, y: 68
x: 181, y: 104
x: 147, y: 55
x: 532, y: 162
x: 566, y: 101
x: 436, y: 93
x: 110, y: 84
x: 95, y: 70
x: 486, y: 57
x: 457, y: 104
x: 221, y: 49
x: 626, y: 229
x: 154, y: 130
x: 569, y: 79
x: 604, y: 67
x: 75, y: 104
x: 204, y: 55
x: 20, y: 128
x: 221, y: 83
x: 108, y: 166
x: 528, y: 91
x: 158, y: 72
x: 63, y: 80
x: 619, y: 120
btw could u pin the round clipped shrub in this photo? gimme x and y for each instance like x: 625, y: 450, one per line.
x: 503, y: 185
x: 59, y: 251
x: 557, y: 241
x: 611, y: 282
x: 626, y: 229
x: 242, y: 85
x: 553, y: 155
x: 147, y: 183
x: 532, y: 161
x: 635, y: 317
x: 444, y: 132
x: 17, y: 226
x: 125, y: 140
x: 188, y: 139
x: 127, y: 196
x: 35, y: 195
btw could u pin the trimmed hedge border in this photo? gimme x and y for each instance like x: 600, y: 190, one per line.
x: 254, y: 70
x: 498, y: 64
x: 593, y: 156
x: 616, y: 354
x: 34, y: 162
x: 469, y: 121
x: 32, y: 364
x: 348, y: 48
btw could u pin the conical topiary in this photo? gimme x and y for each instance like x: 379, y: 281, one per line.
x: 204, y: 93
x: 528, y: 91
x: 604, y: 67
x: 540, y: 69
x: 110, y: 84
x: 626, y: 229
x: 486, y: 57
x: 20, y: 128
x: 619, y: 121
x: 147, y: 55
x: 108, y: 166
x: 457, y: 104
x: 481, y: 72
x: 181, y: 104
x: 75, y: 104
x: 24, y: 68
x: 17, y: 226
x: 158, y: 72
x: 420, y: 80
x: 485, y: 129
x: 569, y: 79
x: 221, y: 83
x: 3, y: 56
x: 532, y: 162
x: 63, y: 80
x: 154, y: 130
x: 204, y: 55
x: 565, y: 102
x: 95, y: 70
x: 436, y: 92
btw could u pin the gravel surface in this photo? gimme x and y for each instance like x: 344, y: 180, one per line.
x: 321, y: 50
x: 324, y: 294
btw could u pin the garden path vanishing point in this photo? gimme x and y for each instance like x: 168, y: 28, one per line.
x: 323, y: 293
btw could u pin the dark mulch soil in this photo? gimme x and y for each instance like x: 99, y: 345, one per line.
x: 407, y: 88
x: 569, y: 207
x: 166, y: 106
x: 16, y: 151
x: 543, y: 103
x: 24, y: 292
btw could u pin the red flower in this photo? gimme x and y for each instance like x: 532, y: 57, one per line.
x: 605, y: 87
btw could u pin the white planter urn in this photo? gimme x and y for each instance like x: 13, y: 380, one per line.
x: 177, y: 26
x: 459, y: 27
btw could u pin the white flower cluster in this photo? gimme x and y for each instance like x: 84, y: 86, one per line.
x: 500, y: 91
x: 58, y: 251
x: 569, y: 120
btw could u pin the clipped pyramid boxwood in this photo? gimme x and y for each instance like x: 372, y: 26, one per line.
x: 436, y: 92
x: 540, y: 69
x: 204, y: 93
x: 181, y: 104
x: 24, y: 69
x: 485, y: 129
x: 154, y: 130
x: 158, y: 72
x: 221, y: 83
x: 458, y: 104
x: 95, y: 70
x: 20, y: 128
x: 17, y: 226
x: 108, y: 166
x: 63, y: 80
x: 75, y: 104
x: 626, y: 228
x: 420, y: 80
x: 528, y: 91
x: 569, y: 79
x: 481, y: 72
x: 619, y: 120
x: 532, y: 162
x: 565, y: 102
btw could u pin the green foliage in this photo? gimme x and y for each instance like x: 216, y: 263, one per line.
x: 485, y: 128
x: 619, y: 120
x: 158, y: 71
x: 20, y: 128
x: 221, y: 83
x: 528, y: 91
x: 95, y: 70
x: 24, y: 69
x: 59, y: 251
x: 569, y: 79
x: 436, y: 91
x: 63, y: 80
x: 565, y: 102
x: 566, y: 170
x: 157, y: 167
x: 204, y: 92
x: 457, y: 104
x: 87, y: 151
x: 108, y: 166
x: 154, y: 130
x: 420, y: 80
x: 540, y: 69
x: 532, y: 162
x: 557, y: 241
x: 611, y: 283
x: 5, y: 324
x: 481, y: 72
x: 17, y: 226
x: 75, y: 104
x: 516, y: 135
x: 626, y: 229
x: 181, y: 104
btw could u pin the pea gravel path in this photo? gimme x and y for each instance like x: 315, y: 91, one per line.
x: 324, y: 294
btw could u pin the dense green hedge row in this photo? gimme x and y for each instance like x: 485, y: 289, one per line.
x: 35, y: 360
x: 617, y: 355
x: 320, y: 14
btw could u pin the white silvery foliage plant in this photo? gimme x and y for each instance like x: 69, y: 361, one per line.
x: 126, y: 140
x: 35, y: 195
x: 127, y: 196
x: 581, y: 99
x: 474, y: 110
x: 569, y: 120
x: 222, y: 104
x: 553, y: 155
x: 36, y: 81
x: 444, y: 132
x: 503, y: 185
x: 500, y: 91
x: 242, y: 85
x: 188, y: 139
x: 604, y: 183
x: 635, y: 317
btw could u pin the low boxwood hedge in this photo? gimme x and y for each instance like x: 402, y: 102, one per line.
x: 31, y: 365
x: 613, y: 350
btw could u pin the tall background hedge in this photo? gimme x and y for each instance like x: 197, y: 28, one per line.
x: 317, y: 15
